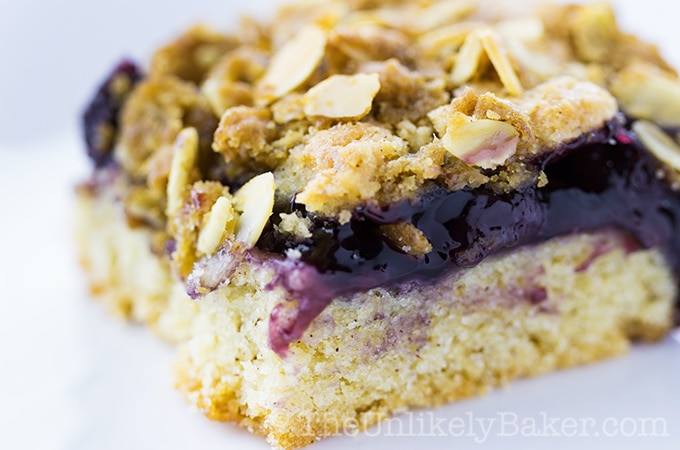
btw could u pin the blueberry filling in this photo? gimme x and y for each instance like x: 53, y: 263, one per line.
x: 603, y: 179
x: 100, y: 120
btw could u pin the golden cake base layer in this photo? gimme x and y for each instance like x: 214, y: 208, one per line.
x: 569, y: 301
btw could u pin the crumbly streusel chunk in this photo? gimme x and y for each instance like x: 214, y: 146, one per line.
x: 372, y: 102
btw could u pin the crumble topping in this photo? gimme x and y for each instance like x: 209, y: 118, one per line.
x: 564, y: 108
x: 230, y: 82
x: 199, y: 199
x: 244, y: 138
x: 192, y: 55
x: 204, y: 215
x: 405, y: 94
x: 295, y: 225
x: 347, y: 164
x: 154, y: 114
x: 342, y: 105
x: 480, y: 42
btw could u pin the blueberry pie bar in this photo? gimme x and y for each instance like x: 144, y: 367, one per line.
x: 363, y: 206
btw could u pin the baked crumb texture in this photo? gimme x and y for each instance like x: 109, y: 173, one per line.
x: 569, y: 301
x: 346, y: 104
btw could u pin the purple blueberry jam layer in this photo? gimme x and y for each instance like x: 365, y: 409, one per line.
x: 603, y: 179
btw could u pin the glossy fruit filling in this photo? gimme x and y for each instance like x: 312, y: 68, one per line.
x: 605, y: 179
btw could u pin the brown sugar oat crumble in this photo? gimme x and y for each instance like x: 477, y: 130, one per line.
x: 363, y: 206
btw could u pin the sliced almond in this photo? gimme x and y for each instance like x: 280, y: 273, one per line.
x: 439, y: 14
x: 417, y: 18
x: 526, y: 29
x: 478, y: 42
x: 288, y: 108
x: 468, y: 60
x: 658, y: 142
x: 438, y: 41
x: 220, y: 221
x: 498, y: 55
x: 183, y: 161
x: 292, y: 64
x: 255, y: 202
x: 211, y: 90
x: 593, y: 31
x: 540, y: 64
x: 342, y: 96
x: 483, y: 143
x: 645, y: 92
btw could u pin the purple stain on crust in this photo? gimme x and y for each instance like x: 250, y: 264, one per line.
x: 169, y: 247
x: 198, y: 199
x: 406, y: 330
x: 100, y: 120
x: 303, y: 285
x: 624, y: 241
x: 603, y: 179
x: 600, y: 248
x: 538, y: 295
x: 526, y: 291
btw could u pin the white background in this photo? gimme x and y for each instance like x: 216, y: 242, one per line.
x: 73, y: 378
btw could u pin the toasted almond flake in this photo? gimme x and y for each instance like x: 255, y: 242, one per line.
x: 593, y: 31
x: 211, y: 90
x: 288, y: 108
x: 375, y: 17
x: 183, y: 161
x: 468, y: 59
x: 255, y: 202
x: 645, y: 92
x: 492, y: 115
x: 220, y: 221
x: 525, y: 29
x: 658, y: 142
x: 415, y: 19
x: 440, y: 40
x: 292, y: 64
x: 440, y: 13
x: 498, y: 55
x: 483, y: 143
x: 292, y: 16
x: 342, y: 96
x: 542, y: 65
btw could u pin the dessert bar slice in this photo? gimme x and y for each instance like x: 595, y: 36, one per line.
x: 364, y: 206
